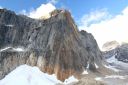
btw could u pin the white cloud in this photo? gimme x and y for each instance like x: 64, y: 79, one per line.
x: 42, y: 11
x: 114, y: 28
x: 94, y: 17
x: 125, y: 11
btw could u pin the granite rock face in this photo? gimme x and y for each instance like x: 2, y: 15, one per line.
x: 54, y: 45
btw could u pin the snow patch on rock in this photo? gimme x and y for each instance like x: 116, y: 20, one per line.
x: 4, y: 49
x: 87, y: 66
x: 96, y: 65
x: 18, y: 49
x: 115, y: 76
x: 70, y: 80
x: 10, y: 25
x: 98, y: 79
x: 85, y: 72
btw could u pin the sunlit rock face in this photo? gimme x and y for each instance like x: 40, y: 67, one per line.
x: 110, y: 45
x: 54, y: 45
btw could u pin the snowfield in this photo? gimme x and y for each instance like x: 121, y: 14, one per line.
x: 116, y: 62
x: 112, y: 68
x: 27, y: 75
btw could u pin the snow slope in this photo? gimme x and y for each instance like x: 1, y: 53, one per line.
x: 27, y: 75
x: 116, y: 62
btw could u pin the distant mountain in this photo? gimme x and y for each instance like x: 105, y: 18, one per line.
x: 54, y: 45
x: 113, y: 48
x: 110, y: 45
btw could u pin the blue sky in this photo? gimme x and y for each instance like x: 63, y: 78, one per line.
x: 105, y: 19
x: 77, y: 7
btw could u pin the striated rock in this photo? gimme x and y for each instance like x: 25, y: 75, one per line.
x: 54, y: 45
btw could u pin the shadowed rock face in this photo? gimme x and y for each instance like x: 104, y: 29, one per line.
x: 54, y: 45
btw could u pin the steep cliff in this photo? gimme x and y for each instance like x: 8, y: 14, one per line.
x: 54, y: 45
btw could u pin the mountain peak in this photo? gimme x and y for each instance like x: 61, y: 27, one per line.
x: 54, y: 45
x: 110, y: 45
